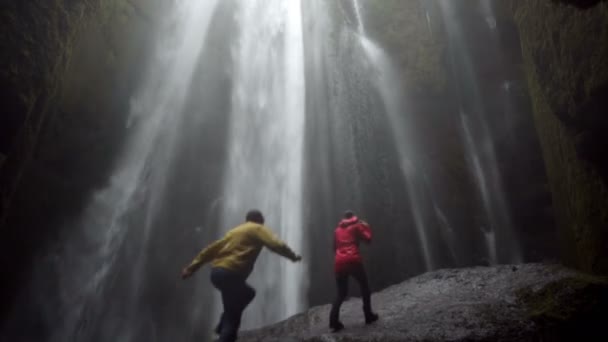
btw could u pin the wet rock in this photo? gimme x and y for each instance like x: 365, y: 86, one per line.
x: 528, y: 302
x: 580, y: 3
x: 70, y: 67
x: 565, y: 55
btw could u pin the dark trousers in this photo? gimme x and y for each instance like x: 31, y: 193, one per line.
x: 236, y: 295
x: 358, y: 272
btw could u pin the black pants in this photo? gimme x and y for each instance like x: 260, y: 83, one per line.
x: 358, y: 272
x: 236, y: 295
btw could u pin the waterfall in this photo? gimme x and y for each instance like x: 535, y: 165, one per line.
x: 390, y: 90
x: 488, y: 12
x: 490, y: 239
x: 360, y: 24
x: 113, y: 276
x: 428, y: 22
x: 266, y: 146
x: 273, y: 105
x: 447, y: 231
x: 483, y: 186
x: 114, y: 233
x: 481, y: 154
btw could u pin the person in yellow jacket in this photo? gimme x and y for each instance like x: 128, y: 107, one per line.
x: 232, y: 259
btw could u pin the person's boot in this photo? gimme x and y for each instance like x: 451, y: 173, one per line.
x: 370, y: 317
x: 336, y: 326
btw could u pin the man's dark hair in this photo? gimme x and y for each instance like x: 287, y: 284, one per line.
x: 348, y: 214
x: 254, y: 215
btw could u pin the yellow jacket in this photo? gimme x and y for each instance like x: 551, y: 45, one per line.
x: 240, y: 247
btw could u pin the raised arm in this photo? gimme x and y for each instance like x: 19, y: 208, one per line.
x: 206, y: 255
x: 275, y: 244
x: 365, y: 232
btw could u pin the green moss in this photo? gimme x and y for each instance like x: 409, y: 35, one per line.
x: 565, y: 53
x: 416, y: 46
x: 566, y: 300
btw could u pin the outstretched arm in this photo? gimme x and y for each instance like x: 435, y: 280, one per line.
x: 276, y: 245
x: 204, y: 257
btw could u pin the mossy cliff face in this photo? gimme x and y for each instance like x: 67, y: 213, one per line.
x: 36, y: 38
x: 580, y: 3
x: 565, y: 307
x: 415, y: 44
x: 566, y: 56
x: 69, y: 67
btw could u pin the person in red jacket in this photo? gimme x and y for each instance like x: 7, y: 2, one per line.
x: 348, y: 263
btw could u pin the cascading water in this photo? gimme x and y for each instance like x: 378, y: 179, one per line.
x: 490, y: 238
x: 102, y: 268
x: 307, y: 118
x: 428, y: 21
x: 390, y: 90
x: 496, y: 53
x: 488, y: 12
x: 116, y: 271
x: 353, y: 159
x: 478, y: 140
x: 448, y: 233
x: 266, y: 146
x: 360, y: 24
x: 482, y: 185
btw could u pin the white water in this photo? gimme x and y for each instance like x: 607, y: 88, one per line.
x: 264, y: 170
x: 488, y: 11
x: 490, y: 238
x: 428, y: 22
x: 266, y: 147
x: 478, y: 141
x: 87, y: 260
x: 360, y: 24
x: 447, y: 232
x: 390, y: 90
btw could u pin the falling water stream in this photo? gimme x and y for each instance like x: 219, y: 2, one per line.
x: 478, y: 140
x: 89, y: 262
x: 360, y: 23
x: 385, y: 78
x: 390, y: 90
x: 123, y: 253
x: 299, y: 107
x: 266, y: 146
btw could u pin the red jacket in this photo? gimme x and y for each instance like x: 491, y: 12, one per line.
x: 349, y: 233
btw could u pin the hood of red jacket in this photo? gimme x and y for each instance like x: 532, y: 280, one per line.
x: 348, y: 222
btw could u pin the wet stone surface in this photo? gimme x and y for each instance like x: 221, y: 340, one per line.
x: 473, y: 304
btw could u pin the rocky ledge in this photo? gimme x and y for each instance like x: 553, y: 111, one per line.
x: 530, y: 302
